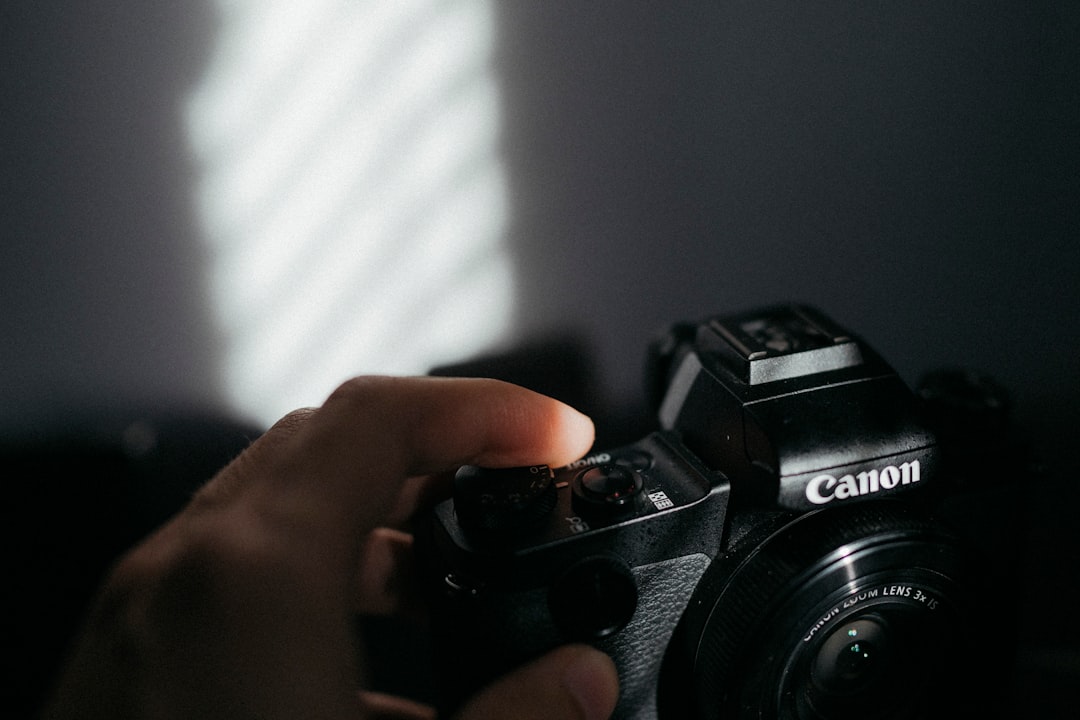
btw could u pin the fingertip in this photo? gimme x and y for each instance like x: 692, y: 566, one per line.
x: 576, y: 432
x: 517, y: 426
x: 591, y: 679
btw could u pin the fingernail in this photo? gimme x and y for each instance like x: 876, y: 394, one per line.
x: 579, y: 430
x: 592, y: 681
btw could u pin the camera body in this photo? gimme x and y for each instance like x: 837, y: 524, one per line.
x: 803, y: 537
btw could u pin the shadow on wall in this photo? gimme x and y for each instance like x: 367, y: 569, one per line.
x: 103, y: 274
x: 909, y: 167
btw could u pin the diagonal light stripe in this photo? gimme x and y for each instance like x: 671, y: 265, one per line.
x: 350, y: 193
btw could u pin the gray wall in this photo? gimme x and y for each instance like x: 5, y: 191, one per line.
x: 909, y: 167
x: 101, y: 273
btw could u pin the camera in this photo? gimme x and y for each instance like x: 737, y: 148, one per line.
x: 802, y: 536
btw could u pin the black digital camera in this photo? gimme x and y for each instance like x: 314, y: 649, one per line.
x: 803, y: 537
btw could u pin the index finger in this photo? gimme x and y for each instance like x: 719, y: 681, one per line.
x: 433, y: 424
x: 345, y: 462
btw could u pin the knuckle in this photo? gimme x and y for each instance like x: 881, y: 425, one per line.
x: 357, y: 391
x: 289, y: 424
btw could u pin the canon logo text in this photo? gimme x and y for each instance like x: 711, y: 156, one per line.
x: 826, y: 488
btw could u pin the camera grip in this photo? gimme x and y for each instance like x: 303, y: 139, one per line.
x: 638, y: 650
x: 478, y: 639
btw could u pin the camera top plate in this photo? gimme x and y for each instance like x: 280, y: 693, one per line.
x: 783, y: 343
x: 795, y: 410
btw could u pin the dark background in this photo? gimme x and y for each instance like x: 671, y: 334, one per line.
x: 908, y: 167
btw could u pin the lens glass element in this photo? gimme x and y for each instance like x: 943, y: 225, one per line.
x: 853, y: 659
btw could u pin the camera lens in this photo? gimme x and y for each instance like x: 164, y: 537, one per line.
x: 836, y: 615
x: 886, y: 662
x: 854, y: 658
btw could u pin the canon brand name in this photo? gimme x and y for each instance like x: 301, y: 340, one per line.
x: 826, y: 488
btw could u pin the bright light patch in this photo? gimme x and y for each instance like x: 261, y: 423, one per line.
x: 350, y: 193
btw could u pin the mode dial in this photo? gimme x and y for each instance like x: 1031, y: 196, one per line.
x: 609, y: 489
x: 509, y: 501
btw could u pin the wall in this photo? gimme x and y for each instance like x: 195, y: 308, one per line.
x: 908, y: 168
x: 101, y: 271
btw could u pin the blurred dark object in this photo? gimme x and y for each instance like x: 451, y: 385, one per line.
x: 77, y: 496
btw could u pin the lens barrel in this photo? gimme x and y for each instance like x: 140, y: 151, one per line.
x: 845, y: 613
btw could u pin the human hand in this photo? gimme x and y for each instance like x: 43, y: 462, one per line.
x: 243, y: 605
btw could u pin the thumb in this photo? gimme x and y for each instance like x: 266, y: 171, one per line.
x: 575, y: 682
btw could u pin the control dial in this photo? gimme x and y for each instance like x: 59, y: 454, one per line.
x: 509, y: 501
x: 609, y: 488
